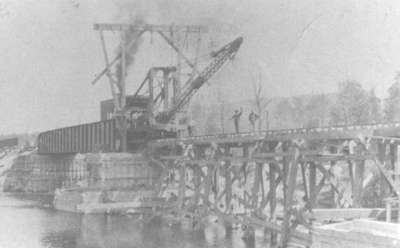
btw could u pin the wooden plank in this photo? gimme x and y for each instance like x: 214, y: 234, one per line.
x: 381, y: 153
x: 338, y: 214
x: 303, y: 175
x: 247, y: 160
x: 273, y: 183
x: 330, y: 158
x: 182, y: 185
x: 262, y: 155
x: 288, y: 200
x: 152, y: 28
x: 314, y: 194
x: 207, y: 182
x: 358, y: 178
x: 273, y: 135
x: 394, y: 164
x: 228, y: 183
x: 256, y: 185
x: 387, y: 176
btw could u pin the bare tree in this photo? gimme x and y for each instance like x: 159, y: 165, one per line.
x: 260, y: 101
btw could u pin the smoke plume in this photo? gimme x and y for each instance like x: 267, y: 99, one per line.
x: 132, y: 44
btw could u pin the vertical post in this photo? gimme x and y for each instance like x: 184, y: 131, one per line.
x: 177, y: 75
x: 197, y: 183
x: 228, y: 180
x: 151, y: 95
x: 215, y: 182
x: 166, y: 89
x: 303, y: 175
x: 176, y: 87
x: 182, y: 185
x: 122, y: 118
x: 395, y: 163
x: 312, y: 184
x: 388, y: 210
x: 256, y: 184
x: 207, y: 185
x: 332, y: 189
x: 288, y: 200
x: 123, y: 69
x: 381, y: 147
x: 285, y: 164
x: 398, y: 209
x: 272, y: 204
x: 245, y: 155
x: 351, y: 176
x: 228, y: 193
x: 108, y: 73
x: 358, y: 177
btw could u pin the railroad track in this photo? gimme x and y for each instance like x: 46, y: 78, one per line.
x: 376, y: 131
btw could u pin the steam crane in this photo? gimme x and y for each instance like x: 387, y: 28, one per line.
x: 158, y: 125
x: 128, y: 122
x: 191, y: 87
x: 139, y: 117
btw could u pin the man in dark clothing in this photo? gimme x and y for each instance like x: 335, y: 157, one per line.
x: 253, y: 117
x: 236, y: 119
x: 190, y: 127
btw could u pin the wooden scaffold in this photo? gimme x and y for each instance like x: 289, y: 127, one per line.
x: 278, y: 180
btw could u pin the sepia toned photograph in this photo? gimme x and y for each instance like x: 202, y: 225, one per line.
x: 199, y: 124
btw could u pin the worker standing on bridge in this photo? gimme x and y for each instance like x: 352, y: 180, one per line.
x: 236, y: 119
x: 253, y: 117
x: 190, y: 127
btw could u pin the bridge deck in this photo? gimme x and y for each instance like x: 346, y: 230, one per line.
x: 391, y: 130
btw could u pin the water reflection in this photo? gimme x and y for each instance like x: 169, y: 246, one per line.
x: 24, y: 224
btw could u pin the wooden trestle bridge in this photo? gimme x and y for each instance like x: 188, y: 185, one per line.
x: 274, y: 179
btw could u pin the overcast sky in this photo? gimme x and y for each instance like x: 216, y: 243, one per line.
x: 50, y: 52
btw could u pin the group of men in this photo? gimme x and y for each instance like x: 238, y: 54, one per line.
x: 253, y: 117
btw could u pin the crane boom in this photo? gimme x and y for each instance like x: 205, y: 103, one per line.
x: 192, y: 85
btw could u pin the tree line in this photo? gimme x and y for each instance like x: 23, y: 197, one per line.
x: 351, y: 104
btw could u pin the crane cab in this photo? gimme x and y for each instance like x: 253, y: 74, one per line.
x: 141, y: 126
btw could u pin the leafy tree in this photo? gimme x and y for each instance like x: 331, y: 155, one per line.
x: 375, y: 110
x: 284, y: 113
x: 299, y: 110
x: 351, y: 106
x: 392, y: 103
x: 316, y: 110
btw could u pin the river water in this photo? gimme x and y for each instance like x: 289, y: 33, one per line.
x: 32, y: 223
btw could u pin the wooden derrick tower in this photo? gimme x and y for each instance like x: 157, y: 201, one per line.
x: 171, y: 75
